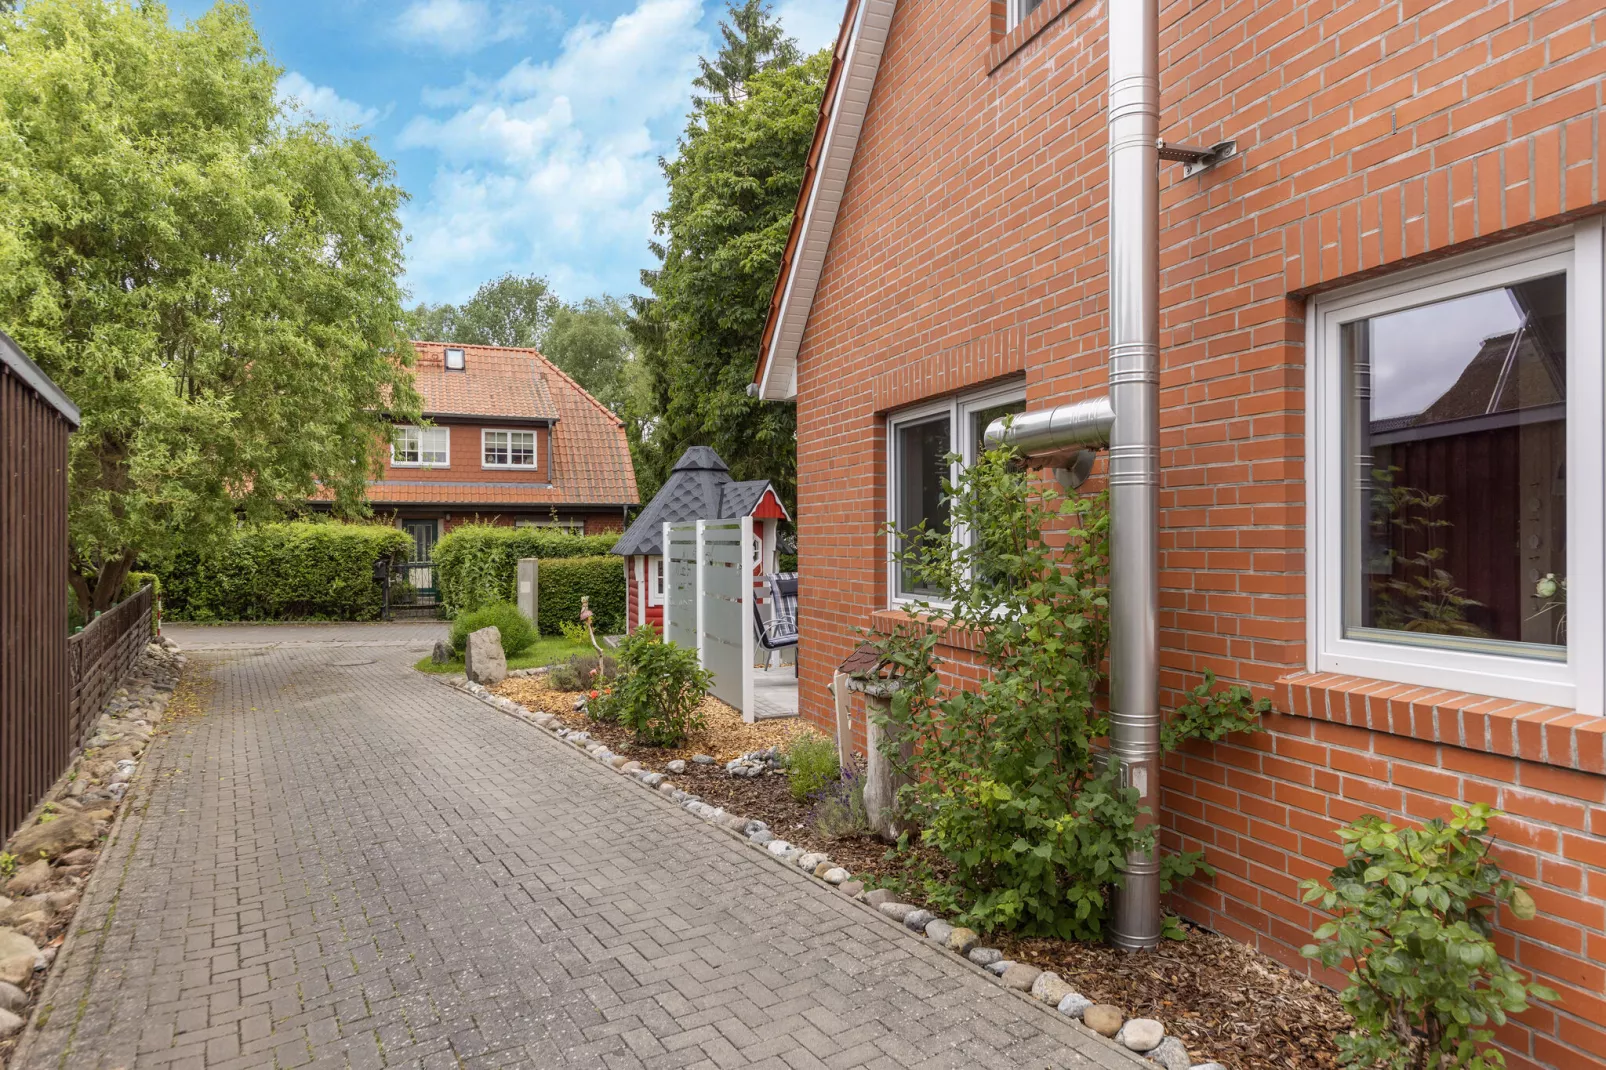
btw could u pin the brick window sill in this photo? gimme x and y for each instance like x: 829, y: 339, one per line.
x: 1551, y: 735
x: 887, y: 621
x: 1007, y: 44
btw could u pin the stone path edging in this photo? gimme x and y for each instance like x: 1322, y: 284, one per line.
x: 1066, y: 1005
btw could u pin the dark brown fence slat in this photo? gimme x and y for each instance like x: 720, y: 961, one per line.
x: 101, y: 655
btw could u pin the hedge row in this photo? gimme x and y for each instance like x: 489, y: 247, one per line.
x: 565, y: 579
x: 290, y: 571
x: 478, y: 564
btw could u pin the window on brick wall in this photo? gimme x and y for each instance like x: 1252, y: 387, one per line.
x: 927, y: 444
x: 1019, y: 9
x: 421, y: 447
x: 508, y: 449
x: 1456, y: 531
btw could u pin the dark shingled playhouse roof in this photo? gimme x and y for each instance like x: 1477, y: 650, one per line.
x: 699, y: 488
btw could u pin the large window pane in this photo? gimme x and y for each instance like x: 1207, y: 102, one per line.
x: 922, y: 464
x: 1456, y: 435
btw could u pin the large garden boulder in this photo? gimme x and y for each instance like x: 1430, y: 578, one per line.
x: 54, y: 838
x: 483, y: 660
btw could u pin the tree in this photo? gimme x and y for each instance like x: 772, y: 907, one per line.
x: 591, y: 342
x: 754, y: 42
x: 732, y: 189
x: 514, y: 310
x: 212, y: 278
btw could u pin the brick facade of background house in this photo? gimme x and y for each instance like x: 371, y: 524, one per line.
x: 970, y: 246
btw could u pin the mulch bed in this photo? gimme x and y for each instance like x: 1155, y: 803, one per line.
x: 1228, y: 1002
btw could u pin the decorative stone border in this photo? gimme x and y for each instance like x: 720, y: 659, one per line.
x: 1142, y: 1036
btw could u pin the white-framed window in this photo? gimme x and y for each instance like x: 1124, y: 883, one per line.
x: 1019, y: 9
x: 421, y: 447
x: 920, y: 441
x: 1455, y: 420
x: 454, y: 359
x: 655, y: 581
x: 508, y: 449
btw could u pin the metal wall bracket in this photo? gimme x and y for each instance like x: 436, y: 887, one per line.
x: 1195, y: 158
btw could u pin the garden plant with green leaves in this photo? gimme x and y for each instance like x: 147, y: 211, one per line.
x: 1415, y: 913
x: 1005, y: 778
x: 658, y: 692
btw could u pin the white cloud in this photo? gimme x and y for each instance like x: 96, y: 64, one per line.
x: 458, y: 27
x: 813, y: 22
x: 322, y: 102
x: 556, y: 163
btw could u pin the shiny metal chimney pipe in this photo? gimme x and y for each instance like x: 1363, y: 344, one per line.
x: 1134, y: 236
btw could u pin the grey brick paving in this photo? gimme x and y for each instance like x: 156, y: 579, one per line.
x: 343, y: 864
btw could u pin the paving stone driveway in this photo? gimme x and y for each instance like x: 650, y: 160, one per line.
x: 343, y: 863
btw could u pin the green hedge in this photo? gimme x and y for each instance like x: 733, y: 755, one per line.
x: 289, y: 571
x: 565, y: 579
x: 478, y: 564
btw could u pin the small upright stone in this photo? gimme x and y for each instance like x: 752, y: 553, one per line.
x: 12, y: 998
x: 483, y: 660
x: 896, y: 911
x: 1074, y: 1004
x: 938, y: 931
x: 852, y: 888
x: 1171, y: 1054
x: 702, y: 759
x: 917, y: 919
x: 876, y: 896
x: 835, y: 875
x: 962, y: 940
x: 1021, y: 976
x: 985, y: 956
x: 1001, y: 967
x: 1103, y: 1019
x: 761, y: 837
x: 825, y: 867
x: 779, y: 847
x: 442, y: 654
x: 9, y: 1023
x: 1050, y: 988
x: 810, y: 860
x: 677, y: 766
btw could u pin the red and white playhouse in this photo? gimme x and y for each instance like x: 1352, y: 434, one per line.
x: 700, y: 487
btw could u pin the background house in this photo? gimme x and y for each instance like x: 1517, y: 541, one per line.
x: 512, y: 440
x: 1381, y: 343
x: 699, y: 488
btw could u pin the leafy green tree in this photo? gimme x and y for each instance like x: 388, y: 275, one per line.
x: 514, y: 310
x: 732, y: 189
x: 212, y: 278
x: 591, y: 342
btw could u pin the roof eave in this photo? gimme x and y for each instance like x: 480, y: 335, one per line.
x: 23, y: 367
x: 858, y: 58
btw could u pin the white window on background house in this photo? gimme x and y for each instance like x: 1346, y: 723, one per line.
x: 421, y: 447
x: 920, y: 441
x: 1456, y: 524
x: 508, y: 449
x: 1019, y: 9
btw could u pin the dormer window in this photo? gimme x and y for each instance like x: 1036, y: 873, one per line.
x: 454, y: 360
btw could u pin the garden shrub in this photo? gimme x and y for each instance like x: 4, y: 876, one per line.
x: 1004, y: 778
x: 811, y: 764
x: 583, y: 672
x: 565, y: 580
x: 658, y: 691
x: 1415, y: 915
x: 517, y: 632
x: 479, y: 563
x: 839, y: 810
x: 297, y: 570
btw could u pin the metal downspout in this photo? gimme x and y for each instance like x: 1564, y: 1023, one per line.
x: 1134, y: 205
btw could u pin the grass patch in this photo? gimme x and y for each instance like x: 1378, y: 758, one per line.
x: 544, y: 651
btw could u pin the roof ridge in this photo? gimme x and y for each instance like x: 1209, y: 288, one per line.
x: 566, y: 377
x: 476, y: 345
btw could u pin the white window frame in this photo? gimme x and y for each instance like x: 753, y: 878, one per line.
x: 442, y: 437
x: 1576, y: 682
x: 455, y: 359
x: 535, y: 447
x: 1016, y: 12
x: 655, y: 579
x: 962, y: 440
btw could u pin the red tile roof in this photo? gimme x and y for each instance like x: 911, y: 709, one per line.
x: 590, y: 455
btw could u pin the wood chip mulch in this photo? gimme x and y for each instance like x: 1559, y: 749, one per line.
x: 1228, y: 1002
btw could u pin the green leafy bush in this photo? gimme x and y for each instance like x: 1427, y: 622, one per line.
x: 583, y: 672
x: 565, y: 580
x: 1415, y: 915
x: 136, y: 580
x: 1004, y: 779
x: 658, y: 691
x: 479, y: 563
x: 517, y: 633
x: 296, y: 570
x: 811, y: 764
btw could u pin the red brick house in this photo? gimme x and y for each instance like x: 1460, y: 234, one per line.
x: 510, y: 440
x: 1380, y: 351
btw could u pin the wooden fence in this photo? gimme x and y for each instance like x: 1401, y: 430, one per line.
x: 102, y: 654
x: 36, y: 724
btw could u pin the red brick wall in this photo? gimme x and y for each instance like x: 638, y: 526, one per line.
x: 970, y: 245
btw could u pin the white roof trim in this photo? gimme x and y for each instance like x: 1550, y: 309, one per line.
x: 865, y: 45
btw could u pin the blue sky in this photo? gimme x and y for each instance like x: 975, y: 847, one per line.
x: 527, y: 133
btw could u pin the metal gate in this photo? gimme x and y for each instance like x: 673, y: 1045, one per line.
x: 709, y: 601
x: 422, y: 591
